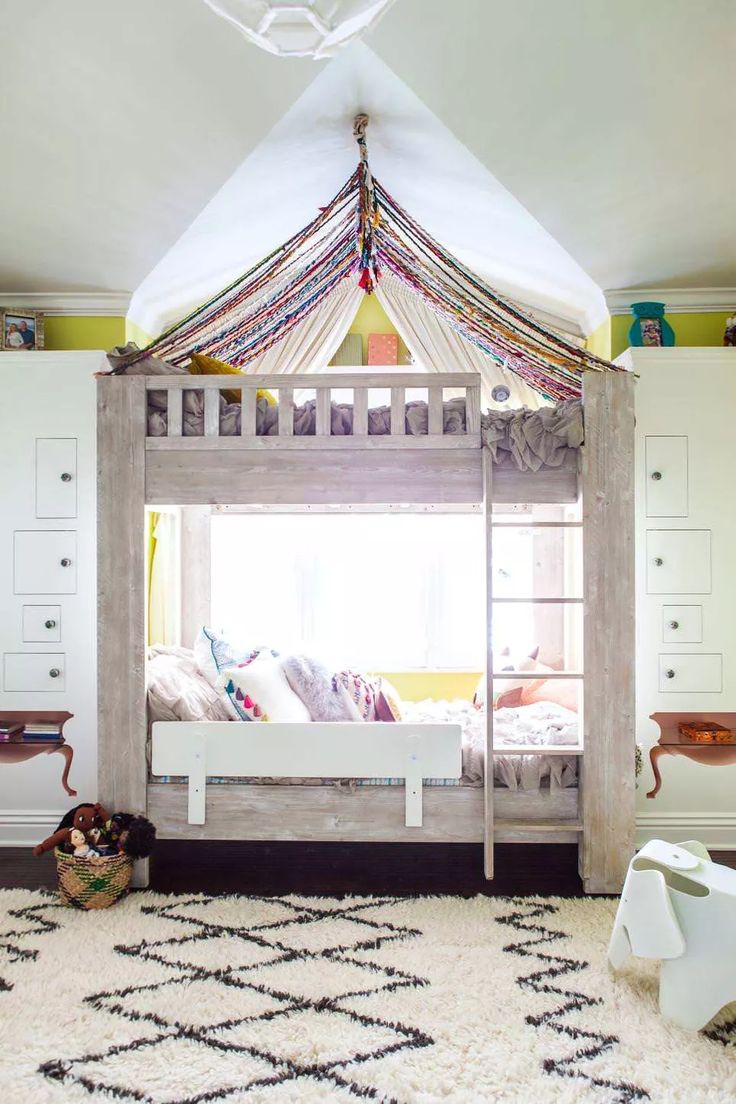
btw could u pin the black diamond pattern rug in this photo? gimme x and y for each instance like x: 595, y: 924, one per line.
x: 197, y: 1000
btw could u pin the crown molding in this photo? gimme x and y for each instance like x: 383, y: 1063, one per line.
x: 69, y: 303
x: 676, y: 300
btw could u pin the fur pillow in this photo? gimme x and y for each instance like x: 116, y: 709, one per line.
x: 259, y: 691
x: 313, y: 684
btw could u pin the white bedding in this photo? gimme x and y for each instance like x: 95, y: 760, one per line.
x: 538, y: 724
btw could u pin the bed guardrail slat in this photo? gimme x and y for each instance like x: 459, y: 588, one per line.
x: 324, y: 412
x: 360, y: 412
x: 286, y: 411
x: 212, y: 413
x: 435, y: 413
x: 472, y: 409
x: 174, y: 411
x: 398, y: 411
x: 248, y: 412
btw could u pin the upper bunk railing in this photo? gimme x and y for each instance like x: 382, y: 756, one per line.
x: 283, y: 387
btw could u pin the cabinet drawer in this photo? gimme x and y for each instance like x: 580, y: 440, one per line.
x: 690, y: 674
x: 682, y: 624
x: 56, y: 477
x: 666, y: 475
x: 45, y: 562
x: 678, y: 561
x: 41, y: 624
x: 35, y: 672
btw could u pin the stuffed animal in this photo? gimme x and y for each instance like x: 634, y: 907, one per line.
x: 135, y: 835
x: 83, y: 818
x: 82, y: 849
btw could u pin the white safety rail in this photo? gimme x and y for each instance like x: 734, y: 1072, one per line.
x: 199, y: 749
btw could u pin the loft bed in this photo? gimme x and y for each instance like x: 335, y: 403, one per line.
x: 153, y: 452
x: 138, y: 470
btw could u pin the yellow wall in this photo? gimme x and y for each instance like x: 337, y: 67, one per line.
x: 440, y: 685
x: 372, y: 318
x: 83, y: 332
x: 135, y: 333
x: 690, y: 329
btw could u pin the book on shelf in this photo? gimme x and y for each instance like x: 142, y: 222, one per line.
x: 10, y: 732
x: 41, y: 732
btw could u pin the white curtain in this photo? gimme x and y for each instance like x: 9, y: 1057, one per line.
x: 312, y: 344
x: 436, y: 347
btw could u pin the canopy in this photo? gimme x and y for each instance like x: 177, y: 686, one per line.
x: 364, y: 242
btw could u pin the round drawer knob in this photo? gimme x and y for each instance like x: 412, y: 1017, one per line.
x: 54, y: 672
x: 66, y: 477
x: 657, y: 561
x: 674, y: 624
x: 669, y: 673
x: 656, y: 476
x: 50, y: 624
x: 66, y: 562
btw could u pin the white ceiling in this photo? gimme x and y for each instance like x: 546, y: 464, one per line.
x: 609, y: 122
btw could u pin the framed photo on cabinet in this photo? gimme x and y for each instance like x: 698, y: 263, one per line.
x: 20, y: 329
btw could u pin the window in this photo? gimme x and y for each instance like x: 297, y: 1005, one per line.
x: 374, y: 591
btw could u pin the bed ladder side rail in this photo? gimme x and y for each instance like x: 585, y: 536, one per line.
x: 607, y: 768
x: 488, y: 779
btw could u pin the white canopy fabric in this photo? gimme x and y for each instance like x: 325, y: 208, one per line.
x: 304, y: 160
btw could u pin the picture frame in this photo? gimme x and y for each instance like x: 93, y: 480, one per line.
x: 21, y: 329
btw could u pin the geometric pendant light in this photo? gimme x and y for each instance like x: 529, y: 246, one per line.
x: 313, y: 28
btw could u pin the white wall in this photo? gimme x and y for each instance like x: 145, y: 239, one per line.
x: 49, y: 395
x: 689, y: 392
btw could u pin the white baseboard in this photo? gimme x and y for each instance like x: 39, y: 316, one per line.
x: 716, y: 830
x: 27, y: 827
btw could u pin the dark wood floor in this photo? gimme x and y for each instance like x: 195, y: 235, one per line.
x: 333, y: 868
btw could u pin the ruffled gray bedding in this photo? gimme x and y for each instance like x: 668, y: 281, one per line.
x: 528, y: 440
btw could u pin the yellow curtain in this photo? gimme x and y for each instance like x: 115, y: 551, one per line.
x: 152, y: 517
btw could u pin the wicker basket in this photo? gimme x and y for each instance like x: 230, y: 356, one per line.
x: 92, y: 883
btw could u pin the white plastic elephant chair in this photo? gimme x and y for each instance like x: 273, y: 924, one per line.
x: 679, y: 906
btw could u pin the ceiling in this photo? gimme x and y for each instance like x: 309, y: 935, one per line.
x: 560, y: 146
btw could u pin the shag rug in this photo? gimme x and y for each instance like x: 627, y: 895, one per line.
x: 196, y: 1000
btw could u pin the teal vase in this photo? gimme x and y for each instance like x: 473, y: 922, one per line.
x: 650, y: 327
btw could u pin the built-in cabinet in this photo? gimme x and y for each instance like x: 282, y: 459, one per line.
x: 47, y: 572
x: 686, y: 584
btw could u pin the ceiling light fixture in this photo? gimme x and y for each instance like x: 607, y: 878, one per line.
x: 314, y: 28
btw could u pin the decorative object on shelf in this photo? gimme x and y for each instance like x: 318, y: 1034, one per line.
x: 691, y: 929
x: 673, y: 741
x: 650, y: 327
x: 707, y: 732
x: 24, y: 734
x: 383, y: 348
x: 21, y: 329
x: 349, y: 352
x: 729, y: 335
x: 312, y: 28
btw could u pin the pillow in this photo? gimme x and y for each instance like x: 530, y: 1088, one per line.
x: 388, y: 702
x: 312, y: 683
x: 360, y: 694
x: 201, y: 365
x: 213, y: 653
x: 178, y: 692
x: 557, y: 691
x: 259, y: 691
x: 119, y: 358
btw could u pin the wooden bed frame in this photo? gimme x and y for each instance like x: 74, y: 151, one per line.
x: 135, y: 470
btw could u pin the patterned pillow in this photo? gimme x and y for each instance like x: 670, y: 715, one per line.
x: 388, y: 702
x: 213, y: 654
x: 259, y: 691
x: 360, y: 693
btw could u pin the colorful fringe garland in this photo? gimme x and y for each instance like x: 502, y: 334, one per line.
x: 362, y: 232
